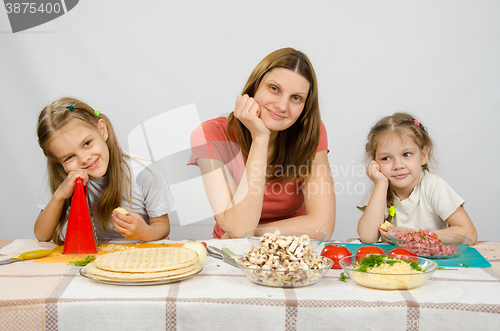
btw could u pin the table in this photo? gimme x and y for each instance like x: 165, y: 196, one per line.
x: 36, y: 296
x: 5, y: 243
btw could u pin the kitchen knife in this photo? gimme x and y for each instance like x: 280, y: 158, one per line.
x: 218, y: 254
x: 28, y: 256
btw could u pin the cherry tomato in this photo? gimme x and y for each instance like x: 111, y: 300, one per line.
x: 204, y: 244
x: 402, y: 253
x: 335, y: 253
x: 367, y: 250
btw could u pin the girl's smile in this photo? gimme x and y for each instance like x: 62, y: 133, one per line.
x: 78, y: 146
x: 93, y: 165
x: 403, y: 176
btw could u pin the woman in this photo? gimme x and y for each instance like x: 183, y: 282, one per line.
x: 266, y: 163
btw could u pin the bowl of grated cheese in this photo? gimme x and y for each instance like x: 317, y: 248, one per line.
x: 388, y: 273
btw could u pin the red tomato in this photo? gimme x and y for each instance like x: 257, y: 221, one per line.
x: 402, y: 253
x: 367, y: 250
x: 335, y: 253
x: 204, y: 244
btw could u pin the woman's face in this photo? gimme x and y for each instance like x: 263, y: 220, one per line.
x: 281, y: 96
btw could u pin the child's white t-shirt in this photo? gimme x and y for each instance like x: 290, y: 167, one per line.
x: 151, y: 197
x: 430, y: 204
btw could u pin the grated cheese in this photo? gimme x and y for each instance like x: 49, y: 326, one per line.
x: 399, y: 275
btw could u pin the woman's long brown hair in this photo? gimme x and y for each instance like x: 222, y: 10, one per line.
x: 295, y: 147
x: 55, y: 116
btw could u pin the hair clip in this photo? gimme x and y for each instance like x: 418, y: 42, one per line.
x: 392, y: 211
x: 373, y: 127
x: 97, y: 113
x: 417, y: 123
x: 70, y: 108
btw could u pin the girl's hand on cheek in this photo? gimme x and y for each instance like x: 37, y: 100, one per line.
x: 247, y: 110
x: 373, y: 171
x: 131, y: 226
x: 67, y: 187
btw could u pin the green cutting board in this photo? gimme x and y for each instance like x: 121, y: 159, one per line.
x: 471, y: 258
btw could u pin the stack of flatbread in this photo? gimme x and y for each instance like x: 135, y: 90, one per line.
x: 145, y: 264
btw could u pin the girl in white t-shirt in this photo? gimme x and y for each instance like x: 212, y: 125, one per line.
x: 404, y: 192
x: 79, y: 141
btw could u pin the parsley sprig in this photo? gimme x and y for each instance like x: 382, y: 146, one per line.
x: 84, y: 262
x: 373, y: 261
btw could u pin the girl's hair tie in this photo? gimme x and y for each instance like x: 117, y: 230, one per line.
x: 392, y: 211
x: 97, y: 113
x: 70, y: 108
x: 417, y: 123
x: 373, y: 127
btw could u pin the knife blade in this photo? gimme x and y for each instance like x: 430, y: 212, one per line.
x: 28, y: 256
x: 218, y: 254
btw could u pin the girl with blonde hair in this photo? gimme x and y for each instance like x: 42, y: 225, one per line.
x: 79, y: 142
x: 404, y: 192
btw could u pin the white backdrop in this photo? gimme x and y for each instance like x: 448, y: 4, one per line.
x: 134, y: 60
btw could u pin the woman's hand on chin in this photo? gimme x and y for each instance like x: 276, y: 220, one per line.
x: 247, y: 110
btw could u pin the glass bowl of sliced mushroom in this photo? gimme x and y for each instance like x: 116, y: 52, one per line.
x: 284, y: 261
x: 315, y: 237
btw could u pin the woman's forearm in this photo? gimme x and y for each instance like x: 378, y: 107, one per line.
x: 245, y: 208
x: 325, y: 223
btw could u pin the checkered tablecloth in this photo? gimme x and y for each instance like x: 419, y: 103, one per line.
x: 36, y: 296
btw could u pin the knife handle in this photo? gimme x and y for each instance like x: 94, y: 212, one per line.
x: 33, y: 254
x: 228, y: 252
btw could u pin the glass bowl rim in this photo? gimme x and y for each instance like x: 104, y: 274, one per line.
x: 434, y: 267
x: 327, y: 267
x: 392, y: 231
x: 274, y: 228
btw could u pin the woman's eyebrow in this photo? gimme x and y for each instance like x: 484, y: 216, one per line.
x: 272, y: 81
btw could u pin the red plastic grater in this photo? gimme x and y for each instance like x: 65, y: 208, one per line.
x: 80, y: 234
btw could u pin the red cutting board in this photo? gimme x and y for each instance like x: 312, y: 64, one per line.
x: 471, y: 258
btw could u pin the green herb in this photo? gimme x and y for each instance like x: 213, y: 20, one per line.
x: 342, y: 277
x: 373, y: 261
x: 443, y: 268
x: 463, y: 265
x: 414, y: 265
x: 84, y: 262
x: 422, y: 237
x: 370, y: 261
